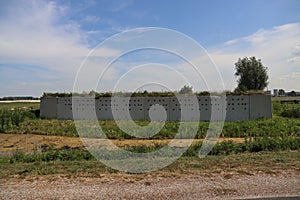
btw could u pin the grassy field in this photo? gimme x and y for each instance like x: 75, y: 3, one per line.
x: 20, y: 105
x: 267, y: 144
x: 285, y: 98
x: 278, y: 126
x: 227, y: 166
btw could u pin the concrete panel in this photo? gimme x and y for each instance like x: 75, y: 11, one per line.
x: 120, y: 108
x: 174, y: 109
x: 83, y: 108
x: 260, y: 106
x: 137, y: 108
x: 151, y: 101
x: 204, y: 107
x: 218, y: 106
x: 126, y: 108
x: 64, y: 108
x: 48, y: 107
x: 189, y: 108
x: 237, y: 108
x: 184, y: 109
x: 103, y: 108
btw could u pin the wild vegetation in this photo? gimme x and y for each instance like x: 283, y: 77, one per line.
x: 251, y: 73
x: 223, y: 148
x: 186, y: 90
x: 281, y: 133
x: 10, y: 119
x: 268, y: 144
x: 20, y: 120
x: 225, y: 165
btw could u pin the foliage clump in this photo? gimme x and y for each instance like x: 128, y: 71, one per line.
x: 251, y: 73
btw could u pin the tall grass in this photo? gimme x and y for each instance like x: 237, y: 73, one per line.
x: 23, y: 121
x: 223, y: 148
x: 13, y: 118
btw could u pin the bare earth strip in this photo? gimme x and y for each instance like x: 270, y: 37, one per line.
x: 30, y: 143
x: 120, y: 186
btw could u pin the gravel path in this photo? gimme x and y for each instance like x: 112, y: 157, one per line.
x: 152, y: 187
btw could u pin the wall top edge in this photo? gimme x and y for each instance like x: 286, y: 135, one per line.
x: 50, y: 97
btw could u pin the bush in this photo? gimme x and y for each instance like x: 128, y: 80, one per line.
x: 52, y: 155
x: 13, y: 118
x: 292, y: 113
x: 256, y: 145
x: 223, y: 148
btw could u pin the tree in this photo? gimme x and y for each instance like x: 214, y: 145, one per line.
x: 281, y: 92
x: 252, y: 74
x: 186, y: 90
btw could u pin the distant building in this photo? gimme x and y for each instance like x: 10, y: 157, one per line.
x: 275, y: 92
x: 293, y: 94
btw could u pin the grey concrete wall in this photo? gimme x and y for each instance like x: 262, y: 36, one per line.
x: 260, y: 107
x: 83, y: 108
x: 103, y: 108
x: 48, y: 107
x: 156, y: 112
x: 237, y: 108
x: 233, y: 108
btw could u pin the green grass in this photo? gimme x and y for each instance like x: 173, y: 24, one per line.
x: 278, y: 108
x: 223, y: 148
x: 275, y: 127
x: 20, y: 105
x: 246, y: 164
x: 270, y: 144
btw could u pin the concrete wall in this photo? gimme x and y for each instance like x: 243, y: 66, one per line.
x: 48, y: 107
x: 237, y: 108
x: 260, y: 107
x: 233, y: 108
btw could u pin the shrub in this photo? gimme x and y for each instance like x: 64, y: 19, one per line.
x: 291, y: 113
x: 12, y: 118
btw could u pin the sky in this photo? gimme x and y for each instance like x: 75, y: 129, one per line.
x: 61, y: 46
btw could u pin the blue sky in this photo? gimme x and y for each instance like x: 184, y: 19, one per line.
x: 43, y: 43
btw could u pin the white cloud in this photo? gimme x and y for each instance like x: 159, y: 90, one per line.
x: 274, y: 47
x: 120, y: 5
x: 278, y: 48
x: 91, y: 19
x: 34, y: 33
x: 39, y: 33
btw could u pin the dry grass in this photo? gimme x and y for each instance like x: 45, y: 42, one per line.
x: 31, y: 143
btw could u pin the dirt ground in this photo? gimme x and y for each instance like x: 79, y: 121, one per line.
x: 30, y: 143
x: 181, y: 186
